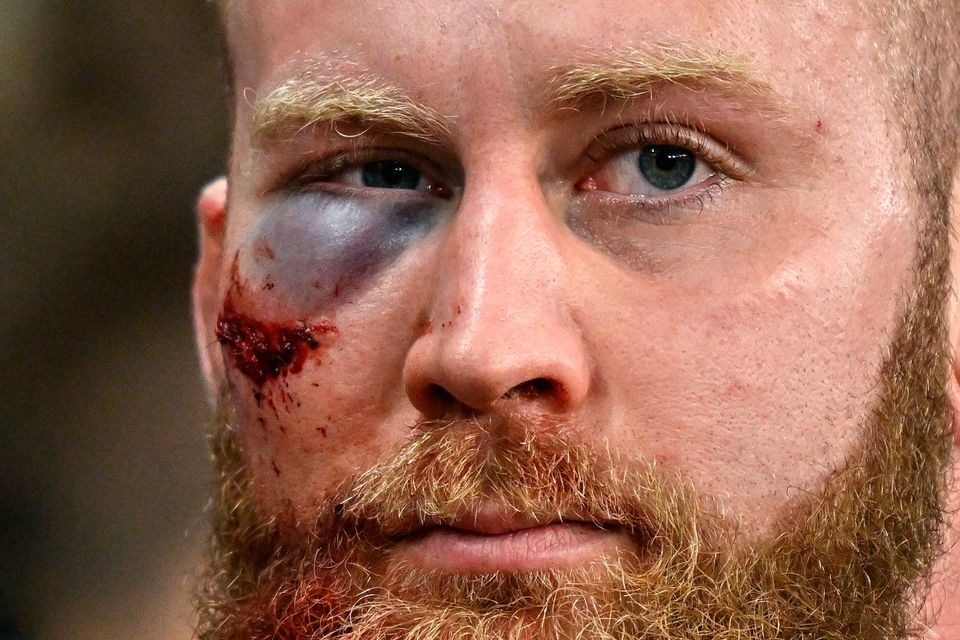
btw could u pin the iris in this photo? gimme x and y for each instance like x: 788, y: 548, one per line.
x: 667, y: 167
x: 390, y: 174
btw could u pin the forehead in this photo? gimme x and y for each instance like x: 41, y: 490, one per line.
x: 472, y: 53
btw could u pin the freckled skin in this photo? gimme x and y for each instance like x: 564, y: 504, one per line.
x: 737, y: 344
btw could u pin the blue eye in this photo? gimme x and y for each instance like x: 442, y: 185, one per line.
x: 390, y: 174
x: 667, y: 167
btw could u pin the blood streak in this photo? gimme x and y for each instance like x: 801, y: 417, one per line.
x: 263, y: 250
x: 266, y: 350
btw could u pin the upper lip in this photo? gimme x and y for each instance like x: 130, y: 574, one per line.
x: 492, y: 520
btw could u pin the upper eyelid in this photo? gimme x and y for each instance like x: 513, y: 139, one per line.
x: 338, y: 163
x: 630, y: 136
x: 331, y: 164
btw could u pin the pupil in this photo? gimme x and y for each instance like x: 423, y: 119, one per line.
x: 667, y: 167
x: 390, y: 174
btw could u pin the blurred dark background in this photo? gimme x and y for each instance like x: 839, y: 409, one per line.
x: 112, y: 116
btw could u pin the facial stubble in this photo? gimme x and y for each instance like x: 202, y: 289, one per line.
x: 851, y: 560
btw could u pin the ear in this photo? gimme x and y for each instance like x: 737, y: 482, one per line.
x: 211, y: 223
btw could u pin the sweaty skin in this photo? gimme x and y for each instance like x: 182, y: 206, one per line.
x: 731, y: 331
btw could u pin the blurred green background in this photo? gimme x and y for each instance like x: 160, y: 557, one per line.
x: 112, y: 116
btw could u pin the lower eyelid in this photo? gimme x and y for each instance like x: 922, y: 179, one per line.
x: 697, y: 195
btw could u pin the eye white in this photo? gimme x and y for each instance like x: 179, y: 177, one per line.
x: 654, y: 170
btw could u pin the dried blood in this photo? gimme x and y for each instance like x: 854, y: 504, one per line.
x: 264, y: 250
x: 264, y: 351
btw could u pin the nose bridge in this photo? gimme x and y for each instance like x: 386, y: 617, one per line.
x: 500, y: 324
x: 504, y: 262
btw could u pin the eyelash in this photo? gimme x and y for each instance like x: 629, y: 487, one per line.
x: 727, y: 165
x: 306, y: 176
x: 633, y: 136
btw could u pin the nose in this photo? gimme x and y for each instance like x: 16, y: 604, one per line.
x: 499, y: 322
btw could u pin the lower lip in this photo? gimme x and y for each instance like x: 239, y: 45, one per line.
x: 553, y: 546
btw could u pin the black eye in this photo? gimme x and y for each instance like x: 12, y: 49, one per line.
x: 667, y: 167
x: 390, y: 174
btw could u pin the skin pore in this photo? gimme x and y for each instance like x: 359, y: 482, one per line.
x: 716, y: 409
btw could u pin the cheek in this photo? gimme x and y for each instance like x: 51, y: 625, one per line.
x: 306, y: 433
x: 299, y: 275
x: 744, y: 405
x: 756, y: 386
x: 340, y: 405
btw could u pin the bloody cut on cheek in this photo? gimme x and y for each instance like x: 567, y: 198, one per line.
x: 307, y: 254
x: 266, y: 350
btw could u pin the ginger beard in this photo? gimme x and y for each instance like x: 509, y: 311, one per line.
x: 850, y: 561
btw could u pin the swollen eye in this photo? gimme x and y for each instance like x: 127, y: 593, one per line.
x: 390, y: 174
x: 667, y: 167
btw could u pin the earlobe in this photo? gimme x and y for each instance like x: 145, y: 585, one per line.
x: 211, y: 223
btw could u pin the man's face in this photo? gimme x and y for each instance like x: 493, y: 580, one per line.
x: 674, y: 241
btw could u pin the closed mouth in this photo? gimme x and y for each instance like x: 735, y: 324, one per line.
x: 496, y: 539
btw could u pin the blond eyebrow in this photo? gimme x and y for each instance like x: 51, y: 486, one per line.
x: 363, y: 102
x: 636, y: 73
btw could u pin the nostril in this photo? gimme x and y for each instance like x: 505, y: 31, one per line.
x: 535, y: 388
x: 437, y: 400
x: 439, y: 397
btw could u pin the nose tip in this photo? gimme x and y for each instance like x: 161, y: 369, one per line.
x: 469, y: 372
